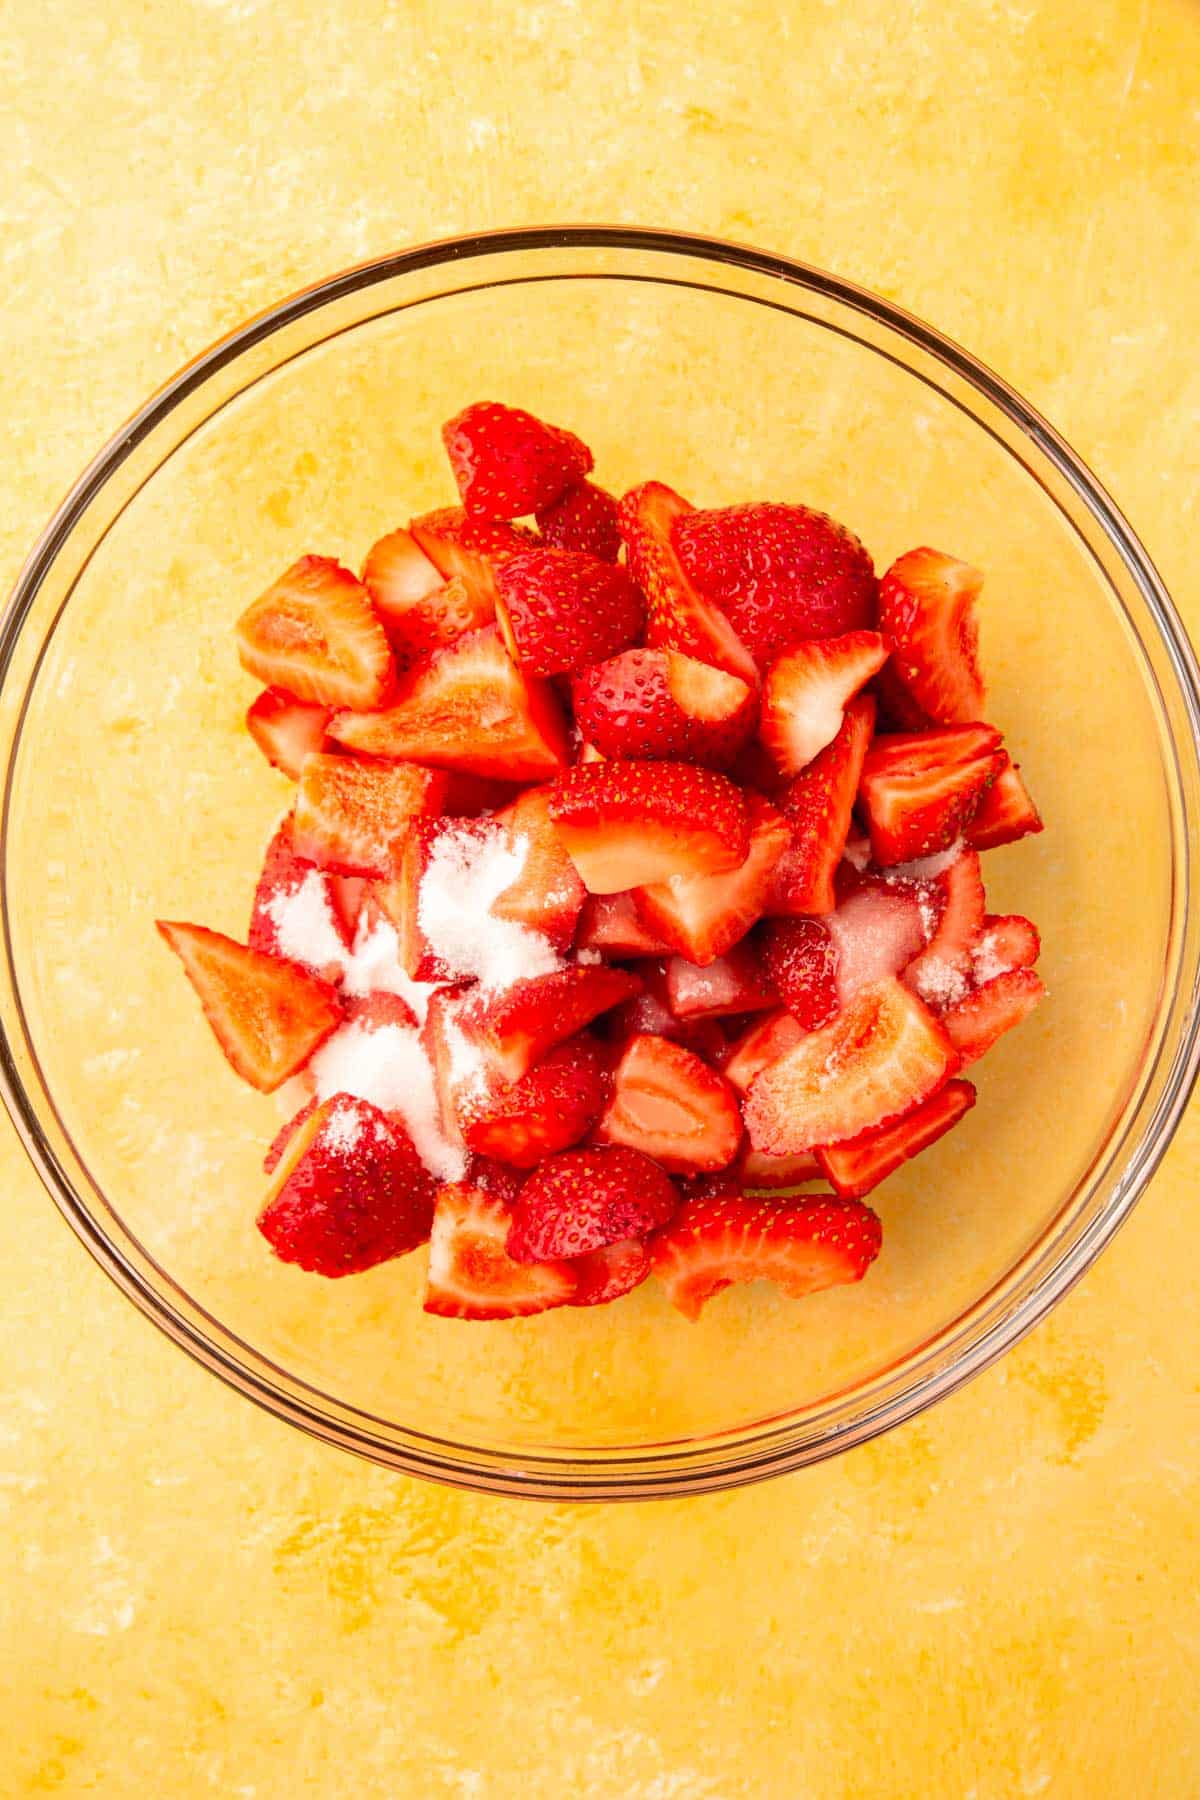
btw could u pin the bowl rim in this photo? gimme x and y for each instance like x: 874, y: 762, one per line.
x: 639, y: 1473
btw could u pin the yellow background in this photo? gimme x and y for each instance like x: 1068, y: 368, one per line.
x: 999, y: 1600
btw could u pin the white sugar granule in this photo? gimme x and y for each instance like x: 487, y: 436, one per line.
x: 857, y: 852
x: 938, y: 981
x: 387, y: 1065
x: 987, y: 960
x: 375, y: 968
x: 343, y: 1130
x: 927, y: 868
x: 307, y: 932
x: 305, y: 927
x: 586, y: 957
x: 465, y: 874
x: 468, y: 1073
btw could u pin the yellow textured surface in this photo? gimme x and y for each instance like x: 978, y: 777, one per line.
x: 1000, y: 1599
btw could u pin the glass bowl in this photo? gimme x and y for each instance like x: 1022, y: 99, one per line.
x: 132, y: 791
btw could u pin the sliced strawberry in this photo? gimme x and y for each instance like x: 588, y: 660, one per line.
x: 469, y: 550
x: 861, y: 1163
x: 751, y: 1169
x: 267, y: 1015
x: 350, y: 816
x: 734, y: 983
x: 943, y: 971
x: 628, y: 824
x: 801, y: 1245
x: 883, y: 1054
x: 467, y: 708
x: 1005, y: 813
x: 471, y: 1275
x: 609, y: 1273
x: 285, y: 1134
x: 927, y: 611
x: 348, y: 894
x: 561, y: 610
x: 898, y: 711
x: 582, y: 518
x: 801, y: 961
x: 377, y: 1010
x: 1006, y: 941
x: 761, y: 1043
x: 461, y: 1074
x: 507, y: 463
x: 671, y: 1106
x: 658, y: 705
x: 876, y: 932
x: 648, y: 1015
x: 518, y: 1026
x: 584, y: 1200
x: 314, y: 633
x: 286, y: 730
x: 679, y: 617
x: 703, y: 917
x: 779, y: 573
x: 754, y: 767
x: 549, y: 1109
x: 400, y: 899
x: 806, y: 691
x: 420, y: 610
x: 468, y: 796
x: 920, y: 790
x: 295, y: 913
x: 547, y: 894
x: 818, y: 806
x: 975, y: 1023
x: 609, y: 923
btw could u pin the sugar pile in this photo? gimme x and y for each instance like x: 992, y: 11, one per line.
x: 387, y: 1065
x: 464, y: 876
x: 305, y: 926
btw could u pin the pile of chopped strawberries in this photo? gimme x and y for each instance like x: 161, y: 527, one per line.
x: 631, y: 885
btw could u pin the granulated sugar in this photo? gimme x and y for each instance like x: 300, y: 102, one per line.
x: 987, y: 958
x: 374, y: 967
x: 387, y: 1065
x: 927, y: 868
x: 938, y: 981
x: 463, y: 877
x: 305, y: 926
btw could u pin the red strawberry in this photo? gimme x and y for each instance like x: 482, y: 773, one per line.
x: 320, y: 939
x: 400, y: 898
x: 459, y: 1069
x: 349, y: 1191
x: 607, y: 1274
x: 470, y: 550
x: 609, y: 923
x: 920, y: 790
x: 379, y: 1009
x: 467, y: 708
x: 508, y: 463
x: 518, y: 1026
x: 800, y: 959
x: 734, y: 983
x: 647, y: 1015
x: 752, y: 1169
x: 421, y: 612
x: 657, y: 705
x: 628, y: 824
x: 876, y: 931
x: 1006, y: 941
x: 779, y: 573
x: 975, y: 1023
x: 285, y: 1134
x: 927, y: 611
x: 671, y: 1106
x: 862, y: 1162
x: 880, y: 1056
x: 584, y: 1200
x: 547, y: 895
x: 471, y: 1275
x: 352, y: 816
x: 286, y: 730
x: 582, y: 518
x: 763, y: 1042
x: 1005, y: 813
x: 467, y: 796
x: 703, y: 917
x: 267, y: 1015
x: 679, y: 617
x: 805, y: 694
x: 754, y: 767
x: 800, y: 1245
x: 943, y: 971
x: 314, y: 633
x: 817, y: 806
x: 561, y: 610
x: 549, y: 1109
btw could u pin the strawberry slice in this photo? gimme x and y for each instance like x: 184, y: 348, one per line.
x: 658, y: 705
x: 582, y: 518
x: 780, y: 574
x: 584, y: 1200
x: 547, y: 895
x: 734, y: 983
x: 625, y: 825
x: 671, y: 1106
x: 1006, y: 941
x: 805, y: 694
x: 1005, y: 813
x: 267, y: 1015
x: 549, y: 1109
x: 285, y: 1134
x: 350, y: 816
x: 921, y: 789
x: 561, y: 610
x: 400, y: 899
x: 876, y: 932
x: 460, y: 1072
x: 817, y: 806
x: 754, y: 767
x: 648, y: 1015
x: 944, y: 970
x: 314, y: 633
x: 679, y: 617
x: 348, y: 1192
x: 800, y: 1245
x: 467, y: 708
x: 421, y: 613
x: 609, y: 923
x: 609, y: 1273
x: 286, y: 730
x: 471, y: 1275
x: 518, y: 1026
x: 377, y: 1010
x: 976, y: 1022
x: 761, y: 1043
x: 862, y: 1162
x: 883, y: 1054
x: 927, y: 611
x: 702, y: 917
x: 751, y: 1169
x: 801, y: 961
x: 508, y: 463
x: 469, y: 550
x: 295, y: 912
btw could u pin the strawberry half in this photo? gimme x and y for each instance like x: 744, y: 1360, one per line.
x: 582, y: 518
x: 547, y: 895
x: 609, y: 1273
x: 1005, y: 813
x: 752, y: 1169
x: 801, y: 961
x: 322, y: 939
x: 348, y: 1192
x: 507, y: 463
x: 561, y: 610
x: 471, y: 1275
x: 287, y: 730
x: 780, y: 574
x: 806, y: 691
x: 350, y: 816
x: 703, y: 917
x: 734, y: 983
x: 882, y: 1055
x: 267, y: 1015
x: 818, y: 806
x: 927, y: 612
x: 944, y: 970
x: 314, y: 633
x: 518, y: 1026
x: 761, y: 1043
x: 468, y: 708
x: 861, y: 1163
x: 1006, y: 941
x: 469, y: 550
x: 678, y: 615
x: 586, y: 1199
x: 609, y: 923
x: 658, y: 705
x: 420, y: 611
x: 920, y: 790
x: 800, y: 1245
x: 628, y: 824
x: 671, y: 1106
x: 549, y: 1109
x: 975, y: 1023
